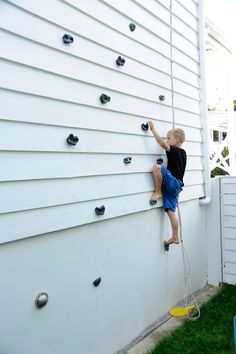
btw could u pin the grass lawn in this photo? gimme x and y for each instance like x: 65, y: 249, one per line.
x: 212, y: 333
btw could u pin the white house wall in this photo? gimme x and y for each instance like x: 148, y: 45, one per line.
x: 61, y: 84
x: 50, y: 189
x: 139, y: 282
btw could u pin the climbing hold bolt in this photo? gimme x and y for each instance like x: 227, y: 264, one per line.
x: 120, y: 61
x: 127, y: 160
x: 67, y: 38
x: 132, y: 27
x: 159, y: 161
x: 166, y: 246
x: 162, y: 98
x: 100, y: 210
x: 72, y: 139
x: 144, y: 126
x: 104, y: 98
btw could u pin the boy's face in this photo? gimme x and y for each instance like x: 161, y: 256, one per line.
x: 172, y: 140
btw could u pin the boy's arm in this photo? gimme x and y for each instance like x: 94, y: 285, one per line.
x: 157, y: 136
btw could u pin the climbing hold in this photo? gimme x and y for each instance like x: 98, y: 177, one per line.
x: 162, y: 98
x: 97, y: 281
x: 159, y: 161
x: 41, y: 300
x: 144, y: 126
x: 127, y: 160
x: 100, y: 210
x: 104, y: 98
x: 72, y: 139
x: 132, y: 27
x: 67, y: 38
x: 120, y: 61
x: 153, y: 202
x: 166, y: 246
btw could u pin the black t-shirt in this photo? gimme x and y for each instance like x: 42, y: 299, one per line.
x: 176, y: 164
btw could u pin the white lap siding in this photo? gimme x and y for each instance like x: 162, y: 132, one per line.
x: 49, y: 189
x: 50, y: 90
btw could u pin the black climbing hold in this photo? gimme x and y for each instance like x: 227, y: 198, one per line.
x: 67, y: 38
x: 72, y: 139
x: 144, y: 126
x: 127, y: 160
x: 104, y: 98
x: 97, y: 281
x: 162, y: 98
x: 159, y: 161
x: 132, y: 27
x: 100, y: 210
x: 166, y: 246
x: 120, y: 61
x: 153, y: 202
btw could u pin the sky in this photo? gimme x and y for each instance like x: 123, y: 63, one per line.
x: 223, y: 14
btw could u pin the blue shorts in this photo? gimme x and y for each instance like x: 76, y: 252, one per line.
x: 171, y: 187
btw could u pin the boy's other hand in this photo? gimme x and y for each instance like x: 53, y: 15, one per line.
x: 151, y: 125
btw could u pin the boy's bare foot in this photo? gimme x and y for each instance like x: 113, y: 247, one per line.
x: 155, y: 197
x: 171, y: 240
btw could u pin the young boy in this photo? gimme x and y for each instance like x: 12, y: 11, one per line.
x: 169, y: 181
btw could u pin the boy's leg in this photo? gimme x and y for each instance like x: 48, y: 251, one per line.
x: 157, y: 175
x: 175, y: 227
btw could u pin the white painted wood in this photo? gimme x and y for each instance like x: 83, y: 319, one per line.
x: 56, y: 112
x: 70, y: 90
x: 185, y: 89
x: 156, y: 8
x: 147, y: 20
x: 190, y: 6
x: 165, y: 3
x: 228, y: 216
x: 26, y: 166
x: 134, y: 262
x: 214, y: 235
x: 97, y: 15
x: 185, y: 46
x: 186, y: 103
x: 43, y: 193
x: 186, y: 62
x: 187, y: 118
x: 185, y: 75
x: 48, y: 80
x: 186, y: 30
x: 79, y: 69
x: 49, y: 189
x: 88, y: 43
x: 48, y: 111
x: 29, y: 223
x: 184, y: 15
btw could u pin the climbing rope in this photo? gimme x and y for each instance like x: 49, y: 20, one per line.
x: 187, y: 284
x: 186, y: 264
x: 171, y: 66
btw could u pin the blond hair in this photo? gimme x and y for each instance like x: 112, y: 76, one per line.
x: 178, y: 133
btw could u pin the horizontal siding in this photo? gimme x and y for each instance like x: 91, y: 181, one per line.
x: 89, y: 43
x: 53, y: 111
x: 57, y: 93
x: 35, y: 222
x: 37, y: 137
x: 70, y: 90
x: 31, y: 165
x: 183, y: 13
x: 42, y: 193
